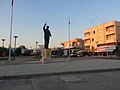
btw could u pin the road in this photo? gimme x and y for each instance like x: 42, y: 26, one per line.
x: 92, y: 81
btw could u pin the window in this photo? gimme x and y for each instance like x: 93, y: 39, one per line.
x: 87, y: 41
x: 87, y: 34
x: 107, y: 37
x: 92, y: 39
x: 93, y: 32
x: 109, y: 28
x: 110, y: 37
x: 99, y: 30
x: 74, y: 44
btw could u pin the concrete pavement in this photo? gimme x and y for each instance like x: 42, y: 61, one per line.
x: 74, y: 66
x: 89, y: 81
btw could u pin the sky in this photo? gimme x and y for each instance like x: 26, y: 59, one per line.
x: 30, y: 16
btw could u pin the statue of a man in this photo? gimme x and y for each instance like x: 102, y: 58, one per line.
x: 47, y: 35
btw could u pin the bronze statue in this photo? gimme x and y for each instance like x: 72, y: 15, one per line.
x: 47, y: 35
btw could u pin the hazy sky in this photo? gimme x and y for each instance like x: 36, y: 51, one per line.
x: 30, y: 16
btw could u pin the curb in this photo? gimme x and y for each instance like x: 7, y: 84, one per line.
x: 24, y: 76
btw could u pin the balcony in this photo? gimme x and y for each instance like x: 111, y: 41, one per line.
x: 87, y: 37
x: 110, y: 41
x: 87, y: 44
x: 110, y: 38
x: 110, y: 32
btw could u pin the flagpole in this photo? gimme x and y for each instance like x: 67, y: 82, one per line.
x: 11, y: 24
x: 69, y: 37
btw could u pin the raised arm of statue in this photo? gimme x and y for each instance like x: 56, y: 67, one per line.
x: 44, y: 26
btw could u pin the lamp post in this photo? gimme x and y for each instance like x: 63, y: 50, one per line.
x: 15, y: 45
x: 36, y: 48
x: 3, y: 53
x: 3, y: 42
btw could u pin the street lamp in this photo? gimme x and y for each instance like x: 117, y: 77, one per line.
x: 3, y: 53
x: 3, y: 42
x: 15, y: 45
x: 36, y: 48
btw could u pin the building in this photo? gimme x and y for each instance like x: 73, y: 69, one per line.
x: 38, y: 50
x: 74, y: 43
x: 102, y: 38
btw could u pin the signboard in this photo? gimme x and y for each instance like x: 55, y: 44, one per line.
x: 65, y: 52
x: 109, y: 48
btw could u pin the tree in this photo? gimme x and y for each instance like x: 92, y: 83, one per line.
x: 22, y: 47
x: 4, y: 51
x: 18, y: 51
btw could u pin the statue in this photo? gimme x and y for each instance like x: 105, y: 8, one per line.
x: 47, y: 35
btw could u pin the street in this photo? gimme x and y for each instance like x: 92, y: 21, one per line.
x: 92, y: 81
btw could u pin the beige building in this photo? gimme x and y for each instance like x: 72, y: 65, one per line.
x: 74, y: 43
x: 102, y: 38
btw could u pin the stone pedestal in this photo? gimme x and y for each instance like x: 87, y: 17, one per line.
x: 46, y: 55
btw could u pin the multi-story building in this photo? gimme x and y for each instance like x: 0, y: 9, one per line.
x: 74, y: 43
x: 102, y: 38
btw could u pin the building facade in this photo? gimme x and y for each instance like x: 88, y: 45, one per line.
x: 102, y: 38
x: 74, y: 43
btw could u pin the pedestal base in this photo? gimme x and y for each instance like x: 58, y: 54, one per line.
x: 46, y: 55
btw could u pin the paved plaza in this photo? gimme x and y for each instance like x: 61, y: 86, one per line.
x: 53, y: 68
x: 84, y: 74
x: 92, y: 81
